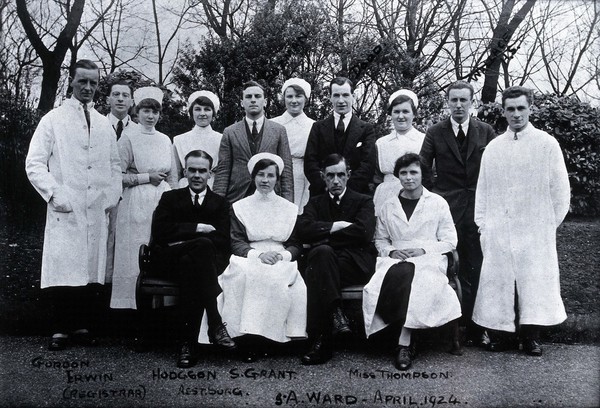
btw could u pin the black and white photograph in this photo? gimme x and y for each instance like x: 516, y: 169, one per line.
x: 299, y: 203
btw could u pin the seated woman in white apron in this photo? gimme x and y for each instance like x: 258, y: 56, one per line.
x: 410, y: 287
x: 263, y: 292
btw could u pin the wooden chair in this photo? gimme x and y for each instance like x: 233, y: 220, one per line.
x: 150, y: 290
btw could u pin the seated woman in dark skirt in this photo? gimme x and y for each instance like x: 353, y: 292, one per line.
x: 410, y: 287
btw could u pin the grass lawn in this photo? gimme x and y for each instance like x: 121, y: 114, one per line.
x: 24, y: 309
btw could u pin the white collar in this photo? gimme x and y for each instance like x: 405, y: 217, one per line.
x: 201, y: 195
x: 347, y: 118
x: 114, y: 121
x: 341, y: 195
x: 465, y: 125
x: 259, y: 122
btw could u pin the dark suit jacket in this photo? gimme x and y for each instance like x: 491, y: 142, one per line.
x: 314, y: 224
x: 175, y: 220
x: 359, y: 152
x: 231, y: 175
x: 456, y: 180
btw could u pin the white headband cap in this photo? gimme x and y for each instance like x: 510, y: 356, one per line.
x: 148, y: 92
x: 406, y: 92
x: 299, y: 82
x: 207, y: 94
x: 257, y: 157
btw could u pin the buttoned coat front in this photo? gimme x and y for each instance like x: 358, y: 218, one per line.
x: 83, y: 167
x: 456, y: 179
x: 359, y: 152
x: 232, y: 178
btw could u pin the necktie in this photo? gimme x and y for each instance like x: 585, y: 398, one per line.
x: 460, y: 137
x: 340, y: 126
x: 86, y: 112
x: 516, y: 138
x: 196, y: 203
x: 336, y: 199
x: 339, y: 134
x: 254, y: 130
x: 119, y: 129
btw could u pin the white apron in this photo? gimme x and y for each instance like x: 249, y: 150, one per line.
x: 152, y: 153
x: 389, y: 149
x: 261, y: 299
x: 197, y: 139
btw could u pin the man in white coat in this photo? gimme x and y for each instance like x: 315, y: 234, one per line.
x: 522, y: 197
x: 73, y: 163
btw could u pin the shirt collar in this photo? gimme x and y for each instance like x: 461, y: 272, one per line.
x: 201, y: 195
x: 465, y: 125
x: 341, y: 195
x: 259, y: 122
x: 76, y: 102
x: 286, y: 117
x: 347, y: 118
x: 114, y: 121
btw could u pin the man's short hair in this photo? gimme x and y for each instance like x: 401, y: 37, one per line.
x: 199, y: 154
x: 332, y: 160
x: 410, y: 158
x: 341, y: 81
x: 251, y: 83
x: 515, y: 92
x: 84, y: 64
x: 122, y: 82
x: 460, y: 85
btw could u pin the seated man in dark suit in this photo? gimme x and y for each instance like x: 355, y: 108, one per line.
x: 190, y: 241
x: 342, y: 133
x: 339, y: 226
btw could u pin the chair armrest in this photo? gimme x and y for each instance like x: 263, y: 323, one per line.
x: 144, y: 259
x: 453, y: 264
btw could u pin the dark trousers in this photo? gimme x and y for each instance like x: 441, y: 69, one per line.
x: 470, y: 258
x: 395, y: 293
x: 76, y: 307
x: 194, y: 265
x: 327, y: 271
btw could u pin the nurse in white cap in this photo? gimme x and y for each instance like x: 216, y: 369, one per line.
x: 402, y: 107
x: 295, y: 93
x: 202, y: 108
x: 148, y: 169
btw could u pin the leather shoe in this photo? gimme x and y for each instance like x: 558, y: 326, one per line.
x: 320, y: 352
x: 533, y: 347
x: 404, y: 358
x: 220, y: 337
x: 58, y: 343
x: 340, y: 322
x: 84, y: 338
x: 478, y: 341
x: 186, y: 357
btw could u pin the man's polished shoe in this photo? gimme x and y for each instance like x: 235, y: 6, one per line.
x: 404, y: 358
x: 84, y: 338
x: 220, y: 337
x: 533, y: 347
x: 340, y: 322
x: 186, y: 358
x: 320, y: 352
x: 58, y: 343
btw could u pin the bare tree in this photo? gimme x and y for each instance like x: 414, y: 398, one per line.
x: 51, y: 59
x: 501, y: 37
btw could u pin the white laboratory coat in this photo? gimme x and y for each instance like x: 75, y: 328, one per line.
x: 65, y: 159
x: 522, y: 197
